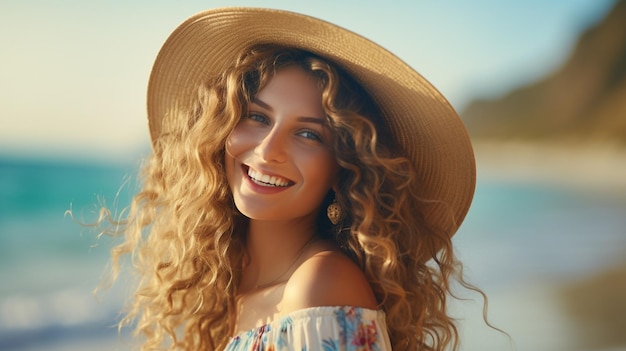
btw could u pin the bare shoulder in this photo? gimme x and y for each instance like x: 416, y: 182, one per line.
x: 328, y: 278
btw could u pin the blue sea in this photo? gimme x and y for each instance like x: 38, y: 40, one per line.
x: 520, y: 241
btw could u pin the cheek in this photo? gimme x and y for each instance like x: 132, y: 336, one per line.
x: 242, y: 139
x: 234, y: 143
x: 233, y: 149
x: 324, y: 171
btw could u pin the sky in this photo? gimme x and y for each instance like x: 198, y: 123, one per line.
x: 73, y: 74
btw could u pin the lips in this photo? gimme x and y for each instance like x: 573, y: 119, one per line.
x: 267, y: 180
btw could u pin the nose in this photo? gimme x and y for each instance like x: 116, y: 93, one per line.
x: 272, y: 147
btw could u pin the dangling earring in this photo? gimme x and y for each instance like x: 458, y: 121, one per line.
x: 334, y: 212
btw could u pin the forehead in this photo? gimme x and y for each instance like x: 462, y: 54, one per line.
x: 291, y: 84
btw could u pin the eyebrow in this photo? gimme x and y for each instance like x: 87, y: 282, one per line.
x: 306, y: 119
x: 262, y: 104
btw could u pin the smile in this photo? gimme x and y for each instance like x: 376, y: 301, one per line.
x: 266, y: 179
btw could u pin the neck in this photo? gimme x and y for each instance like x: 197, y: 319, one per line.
x: 272, y: 248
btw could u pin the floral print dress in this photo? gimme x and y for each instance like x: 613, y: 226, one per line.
x: 319, y: 328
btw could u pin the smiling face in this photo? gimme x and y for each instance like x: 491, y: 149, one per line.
x: 279, y: 163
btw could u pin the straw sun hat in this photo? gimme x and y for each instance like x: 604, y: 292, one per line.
x: 419, y: 117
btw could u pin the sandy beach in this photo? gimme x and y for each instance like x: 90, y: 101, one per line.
x: 589, y: 166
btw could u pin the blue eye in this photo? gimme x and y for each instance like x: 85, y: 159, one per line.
x: 258, y: 118
x: 309, y: 134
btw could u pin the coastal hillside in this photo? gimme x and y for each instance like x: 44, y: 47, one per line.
x: 585, y: 99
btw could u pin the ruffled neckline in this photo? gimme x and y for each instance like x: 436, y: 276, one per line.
x: 310, y: 312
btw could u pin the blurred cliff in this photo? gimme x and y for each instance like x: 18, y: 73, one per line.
x: 584, y: 100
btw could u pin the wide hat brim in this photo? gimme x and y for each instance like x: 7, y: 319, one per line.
x: 421, y: 120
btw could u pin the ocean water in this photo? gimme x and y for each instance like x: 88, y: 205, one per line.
x: 519, y: 243
x: 49, y: 265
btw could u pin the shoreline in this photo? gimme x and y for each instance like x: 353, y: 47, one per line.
x: 597, y: 167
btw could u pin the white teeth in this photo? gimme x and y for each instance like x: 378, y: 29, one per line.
x: 266, y: 180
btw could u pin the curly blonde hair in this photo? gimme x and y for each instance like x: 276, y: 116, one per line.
x: 185, y: 236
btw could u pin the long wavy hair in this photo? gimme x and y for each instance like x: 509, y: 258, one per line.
x: 185, y: 236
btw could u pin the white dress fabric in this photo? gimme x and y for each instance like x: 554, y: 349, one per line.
x: 343, y: 328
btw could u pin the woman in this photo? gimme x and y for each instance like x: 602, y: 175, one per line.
x: 302, y: 192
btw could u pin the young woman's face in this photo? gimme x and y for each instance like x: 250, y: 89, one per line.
x: 279, y: 162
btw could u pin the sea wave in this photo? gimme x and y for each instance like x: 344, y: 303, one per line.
x: 68, y: 314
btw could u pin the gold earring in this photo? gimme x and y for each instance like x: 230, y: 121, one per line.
x: 334, y: 212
